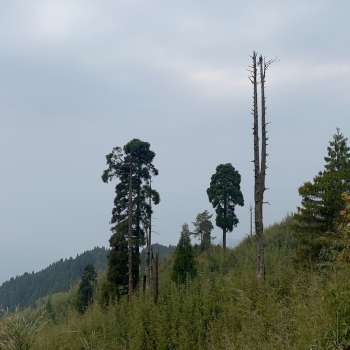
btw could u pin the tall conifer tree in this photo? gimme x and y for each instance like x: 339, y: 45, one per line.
x: 322, y: 199
x: 184, y: 267
x: 224, y: 193
x: 86, y: 288
x: 133, y: 166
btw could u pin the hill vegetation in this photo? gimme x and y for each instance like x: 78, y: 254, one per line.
x: 25, y: 290
x: 299, y: 306
x: 284, y: 287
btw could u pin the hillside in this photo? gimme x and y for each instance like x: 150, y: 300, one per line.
x: 60, y: 276
x: 299, y: 306
x: 25, y: 290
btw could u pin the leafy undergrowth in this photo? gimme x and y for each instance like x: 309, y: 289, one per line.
x: 297, y: 307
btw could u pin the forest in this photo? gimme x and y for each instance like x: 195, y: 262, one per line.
x: 286, y: 286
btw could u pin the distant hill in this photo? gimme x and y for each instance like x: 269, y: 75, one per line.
x: 25, y: 290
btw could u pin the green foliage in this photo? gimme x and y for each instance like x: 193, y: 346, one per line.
x: 25, y: 290
x: 184, y: 268
x: 18, y: 331
x: 297, y: 307
x: 318, y: 217
x: 86, y: 289
x: 117, y: 274
x: 224, y: 193
x: 202, y: 229
x: 132, y: 164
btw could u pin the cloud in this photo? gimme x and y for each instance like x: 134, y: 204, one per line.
x: 81, y: 76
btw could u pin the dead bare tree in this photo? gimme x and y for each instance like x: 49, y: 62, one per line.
x: 251, y: 220
x: 259, y: 156
x: 130, y: 240
x: 149, y: 240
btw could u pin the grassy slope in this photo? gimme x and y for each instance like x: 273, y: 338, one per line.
x: 224, y: 308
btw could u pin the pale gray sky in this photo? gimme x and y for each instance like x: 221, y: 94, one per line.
x: 78, y: 77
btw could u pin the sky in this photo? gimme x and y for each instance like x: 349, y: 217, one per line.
x: 78, y: 77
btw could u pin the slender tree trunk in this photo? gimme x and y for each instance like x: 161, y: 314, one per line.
x: 262, y: 189
x: 251, y: 221
x: 156, y: 278
x: 224, y: 238
x: 149, y: 240
x: 224, y: 230
x: 259, y: 167
x: 257, y: 186
x: 144, y: 279
x: 130, y: 240
x: 137, y: 237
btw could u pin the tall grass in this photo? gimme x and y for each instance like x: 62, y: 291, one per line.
x: 297, y: 307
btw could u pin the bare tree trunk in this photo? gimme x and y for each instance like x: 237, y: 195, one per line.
x: 251, y: 220
x: 257, y: 186
x: 224, y: 230
x: 224, y: 238
x: 156, y: 278
x: 144, y: 281
x: 130, y: 240
x: 263, y: 67
x: 149, y: 240
x: 259, y: 167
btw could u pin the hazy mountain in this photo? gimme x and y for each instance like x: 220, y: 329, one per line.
x: 26, y: 289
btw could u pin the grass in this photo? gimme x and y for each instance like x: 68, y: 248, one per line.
x: 297, y: 307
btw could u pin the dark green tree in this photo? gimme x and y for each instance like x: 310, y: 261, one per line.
x: 202, y: 229
x: 86, y: 288
x: 184, y: 267
x: 117, y: 273
x: 321, y: 199
x: 50, y: 309
x: 132, y: 166
x: 224, y: 193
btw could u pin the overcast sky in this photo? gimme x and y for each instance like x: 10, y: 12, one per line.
x: 78, y: 77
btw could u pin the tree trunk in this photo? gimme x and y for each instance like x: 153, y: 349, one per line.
x: 259, y: 167
x: 262, y: 188
x: 144, y: 284
x: 149, y: 240
x: 224, y: 238
x: 130, y: 240
x: 137, y: 237
x: 156, y: 278
x: 251, y: 221
x: 224, y: 230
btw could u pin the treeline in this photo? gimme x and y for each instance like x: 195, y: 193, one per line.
x: 25, y: 290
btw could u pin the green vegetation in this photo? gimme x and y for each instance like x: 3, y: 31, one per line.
x: 224, y: 194
x: 203, y: 228
x: 28, y: 289
x: 184, y: 268
x: 322, y: 199
x: 297, y: 307
x: 318, y: 218
x: 25, y: 290
x: 86, y: 289
x: 287, y: 287
x: 131, y: 215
